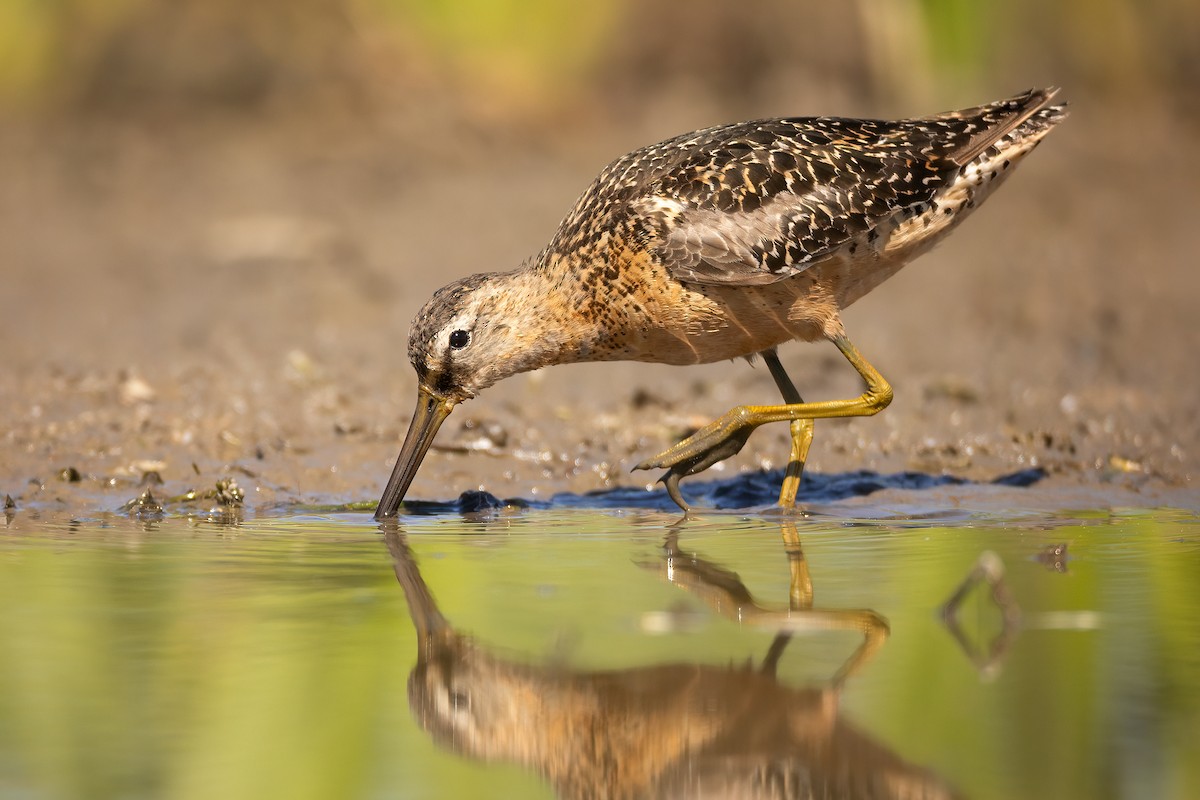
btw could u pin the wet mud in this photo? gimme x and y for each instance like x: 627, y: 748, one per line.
x: 189, y: 305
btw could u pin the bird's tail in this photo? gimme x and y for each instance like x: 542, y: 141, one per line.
x: 1028, y: 116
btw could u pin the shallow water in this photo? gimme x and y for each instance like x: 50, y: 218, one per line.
x: 591, y: 653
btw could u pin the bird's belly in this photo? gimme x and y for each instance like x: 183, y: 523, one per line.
x: 717, y: 323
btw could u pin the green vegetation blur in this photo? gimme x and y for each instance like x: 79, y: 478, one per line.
x: 60, y: 55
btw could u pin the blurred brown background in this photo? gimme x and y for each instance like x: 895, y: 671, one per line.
x: 217, y: 219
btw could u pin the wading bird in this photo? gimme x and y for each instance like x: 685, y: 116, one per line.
x: 718, y: 244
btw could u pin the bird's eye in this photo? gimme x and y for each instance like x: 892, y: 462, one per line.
x: 459, y: 339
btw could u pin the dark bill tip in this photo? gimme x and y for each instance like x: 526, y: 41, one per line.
x: 431, y: 412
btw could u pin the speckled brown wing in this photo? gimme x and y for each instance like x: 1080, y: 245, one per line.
x: 757, y: 202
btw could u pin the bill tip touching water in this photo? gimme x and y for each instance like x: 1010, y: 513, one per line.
x: 717, y: 244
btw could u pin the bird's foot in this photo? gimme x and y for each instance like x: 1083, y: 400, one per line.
x: 714, y: 442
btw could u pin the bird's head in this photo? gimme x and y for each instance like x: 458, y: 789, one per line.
x: 470, y: 334
x: 467, y: 337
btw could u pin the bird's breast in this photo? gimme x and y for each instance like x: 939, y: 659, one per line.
x: 635, y: 310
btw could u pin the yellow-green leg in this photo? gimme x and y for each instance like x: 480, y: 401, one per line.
x: 726, y: 435
x: 801, y: 432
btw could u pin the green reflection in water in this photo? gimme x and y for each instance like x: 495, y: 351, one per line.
x: 272, y: 660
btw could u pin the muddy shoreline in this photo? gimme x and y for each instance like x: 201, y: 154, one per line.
x: 193, y: 305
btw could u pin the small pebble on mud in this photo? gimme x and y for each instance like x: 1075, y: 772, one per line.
x: 1121, y: 464
x: 133, y: 390
x: 144, y: 505
x: 229, y: 494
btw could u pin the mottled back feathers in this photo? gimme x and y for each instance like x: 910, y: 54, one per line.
x: 755, y: 202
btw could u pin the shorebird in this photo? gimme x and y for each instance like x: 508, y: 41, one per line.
x: 718, y: 244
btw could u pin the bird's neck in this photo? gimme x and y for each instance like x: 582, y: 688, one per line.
x: 545, y: 324
x: 589, y: 293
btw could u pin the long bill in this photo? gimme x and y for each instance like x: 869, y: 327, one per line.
x: 431, y: 412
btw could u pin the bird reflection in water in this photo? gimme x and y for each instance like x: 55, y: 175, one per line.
x: 671, y: 730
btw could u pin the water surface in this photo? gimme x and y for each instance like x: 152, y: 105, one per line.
x: 578, y: 652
